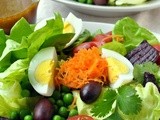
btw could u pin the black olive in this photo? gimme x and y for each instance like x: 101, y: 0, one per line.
x: 148, y: 77
x: 43, y: 110
x: 90, y: 92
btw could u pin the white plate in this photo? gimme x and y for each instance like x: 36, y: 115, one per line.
x: 109, y: 10
x: 93, y: 26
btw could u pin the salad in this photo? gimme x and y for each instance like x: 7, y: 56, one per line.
x: 57, y: 69
x: 113, y: 2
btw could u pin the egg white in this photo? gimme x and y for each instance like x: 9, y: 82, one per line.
x: 44, y: 54
x: 72, y: 19
x: 122, y: 78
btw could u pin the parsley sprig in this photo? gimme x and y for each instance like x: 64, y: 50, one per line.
x: 127, y: 101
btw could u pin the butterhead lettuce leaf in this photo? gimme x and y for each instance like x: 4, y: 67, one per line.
x: 150, y: 103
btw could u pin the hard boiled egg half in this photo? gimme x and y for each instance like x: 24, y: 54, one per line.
x: 41, y: 71
x: 72, y: 24
x: 120, y: 69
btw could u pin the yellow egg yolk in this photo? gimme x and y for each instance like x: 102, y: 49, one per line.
x: 115, y: 68
x: 68, y: 28
x: 44, y: 72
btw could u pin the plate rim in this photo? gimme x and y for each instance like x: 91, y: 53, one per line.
x: 151, y: 5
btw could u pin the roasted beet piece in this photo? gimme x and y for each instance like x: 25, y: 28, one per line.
x: 143, y: 53
x: 148, y: 77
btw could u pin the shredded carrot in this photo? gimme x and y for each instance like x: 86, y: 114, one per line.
x: 85, y: 66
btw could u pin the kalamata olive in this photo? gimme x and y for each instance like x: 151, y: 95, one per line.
x: 43, y: 110
x: 90, y: 92
x: 100, y: 2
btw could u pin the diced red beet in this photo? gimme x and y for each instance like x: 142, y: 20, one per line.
x: 143, y: 53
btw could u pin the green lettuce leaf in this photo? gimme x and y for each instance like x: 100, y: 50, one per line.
x: 11, y: 99
x: 10, y: 89
x: 11, y: 53
x: 132, y: 33
x: 115, y: 46
x: 49, y: 32
x: 15, y: 72
x: 20, y: 29
x: 16, y: 51
x: 2, y: 41
x: 150, y: 103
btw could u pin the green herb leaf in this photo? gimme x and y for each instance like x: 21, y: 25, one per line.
x: 127, y: 100
x: 139, y: 70
x: 114, y: 116
x: 104, y: 104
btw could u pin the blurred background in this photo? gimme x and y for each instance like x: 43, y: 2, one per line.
x: 148, y: 19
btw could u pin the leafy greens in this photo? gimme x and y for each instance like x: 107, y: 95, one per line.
x: 16, y: 51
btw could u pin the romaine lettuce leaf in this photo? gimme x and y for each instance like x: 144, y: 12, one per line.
x: 40, y: 37
x: 20, y: 29
x: 2, y: 41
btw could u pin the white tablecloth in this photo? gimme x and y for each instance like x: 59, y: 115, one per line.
x: 149, y: 19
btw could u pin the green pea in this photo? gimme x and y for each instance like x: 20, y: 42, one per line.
x: 68, y: 98
x: 59, y: 103
x: 56, y: 117
x: 28, y: 117
x: 73, y: 112
x: 14, y: 115
x: 82, y: 1
x: 65, y: 89
x: 63, y: 111
x: 25, y: 93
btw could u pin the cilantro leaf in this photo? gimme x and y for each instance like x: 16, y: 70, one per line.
x: 127, y: 100
x: 114, y: 116
x: 104, y: 104
x: 139, y: 70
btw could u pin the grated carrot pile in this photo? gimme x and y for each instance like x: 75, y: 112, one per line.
x: 85, y: 66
